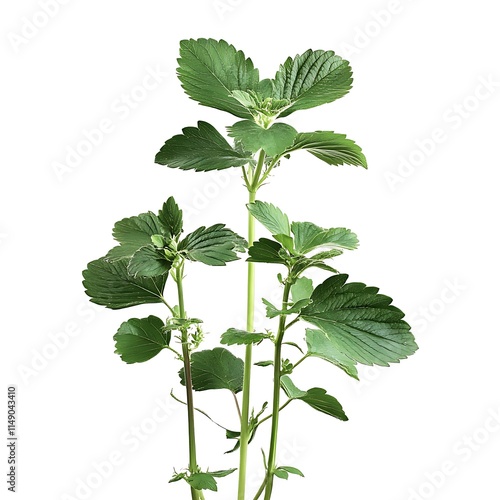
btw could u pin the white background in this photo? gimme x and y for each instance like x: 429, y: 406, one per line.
x: 427, y: 231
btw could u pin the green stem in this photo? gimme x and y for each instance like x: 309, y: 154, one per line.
x: 261, y: 489
x: 186, y: 354
x: 271, y: 465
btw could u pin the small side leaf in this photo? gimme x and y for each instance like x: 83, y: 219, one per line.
x: 234, y: 336
x: 171, y: 217
x: 309, y: 236
x: 202, y: 481
x: 302, y: 289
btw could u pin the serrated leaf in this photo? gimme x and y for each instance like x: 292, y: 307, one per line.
x: 109, y: 284
x: 267, y: 251
x: 320, y: 346
x: 360, y: 323
x: 271, y: 217
x: 309, y: 236
x: 133, y: 233
x: 302, y: 289
x: 215, y: 369
x: 202, y: 481
x: 332, y: 148
x: 209, y: 70
x: 200, y: 148
x: 149, y: 262
x: 215, y: 245
x: 171, y: 217
x: 273, y: 140
x: 316, y: 398
x: 312, y: 79
x: 234, y: 336
x: 138, y: 340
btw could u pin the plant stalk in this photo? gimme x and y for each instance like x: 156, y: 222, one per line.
x: 247, y: 374
x: 186, y: 354
x: 271, y: 464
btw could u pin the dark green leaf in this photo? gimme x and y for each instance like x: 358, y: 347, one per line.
x: 316, y: 398
x: 214, y: 245
x: 171, y: 217
x: 302, y: 289
x: 332, y: 148
x: 241, y: 337
x: 308, y: 237
x: 149, y: 262
x: 109, y: 284
x: 215, y: 369
x: 267, y: 251
x: 138, y: 340
x: 209, y: 70
x: 320, y: 346
x: 200, y: 148
x: 311, y: 79
x: 133, y: 233
x: 271, y: 217
x: 360, y: 323
x: 202, y: 481
x: 273, y: 140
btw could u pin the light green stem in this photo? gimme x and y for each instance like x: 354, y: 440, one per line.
x: 271, y: 464
x: 252, y: 185
x: 193, y: 464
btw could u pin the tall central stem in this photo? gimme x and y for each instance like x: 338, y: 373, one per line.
x: 271, y: 465
x: 186, y: 355
x: 247, y: 374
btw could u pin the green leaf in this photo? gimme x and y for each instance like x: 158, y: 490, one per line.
x: 273, y: 140
x: 221, y: 473
x: 360, y: 323
x: 202, y: 481
x: 200, y: 148
x: 177, y: 477
x: 308, y: 236
x: 272, y: 311
x: 209, y: 70
x: 109, y: 284
x: 149, y: 262
x: 133, y: 233
x: 316, y: 398
x: 138, y: 340
x: 319, y: 345
x: 241, y: 337
x: 332, y: 148
x: 282, y: 474
x: 264, y: 363
x: 267, y: 251
x: 302, y: 289
x: 171, y: 217
x: 311, y: 79
x: 213, y: 246
x: 215, y: 369
x: 271, y: 217
x: 291, y: 470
